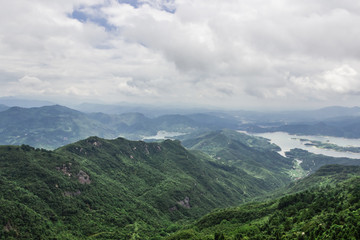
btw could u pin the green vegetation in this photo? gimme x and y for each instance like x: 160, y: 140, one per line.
x: 47, y: 127
x: 121, y: 189
x: 113, y: 189
x: 255, y: 155
x: 332, y: 146
x: 51, y: 127
x: 310, y: 162
x: 329, y: 210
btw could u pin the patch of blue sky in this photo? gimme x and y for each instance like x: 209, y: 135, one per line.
x: 164, y: 6
x: 81, y: 15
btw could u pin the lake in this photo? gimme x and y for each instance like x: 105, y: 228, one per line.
x: 288, y: 141
x: 161, y: 135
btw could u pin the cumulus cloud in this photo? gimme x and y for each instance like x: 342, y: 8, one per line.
x: 212, y: 52
x: 340, y: 80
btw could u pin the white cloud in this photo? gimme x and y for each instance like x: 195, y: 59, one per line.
x: 182, y: 50
x: 340, y: 80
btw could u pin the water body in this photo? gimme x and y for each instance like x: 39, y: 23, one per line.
x: 164, y: 135
x: 287, y: 141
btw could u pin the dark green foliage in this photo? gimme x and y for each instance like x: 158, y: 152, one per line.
x: 312, y: 162
x: 219, y: 236
x: 254, y: 155
x: 113, y: 189
x: 329, y: 210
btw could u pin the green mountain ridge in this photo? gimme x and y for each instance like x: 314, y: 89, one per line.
x: 113, y: 189
x: 254, y: 155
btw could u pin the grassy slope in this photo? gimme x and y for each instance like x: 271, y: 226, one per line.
x: 137, y: 189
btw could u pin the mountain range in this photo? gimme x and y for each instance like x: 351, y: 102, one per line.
x: 211, y: 183
x: 114, y: 189
x: 54, y: 126
x: 347, y: 127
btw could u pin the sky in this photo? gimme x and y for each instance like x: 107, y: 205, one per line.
x: 261, y: 54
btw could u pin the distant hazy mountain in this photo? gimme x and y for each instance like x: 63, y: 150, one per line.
x: 26, y: 103
x: 54, y: 126
x: 320, y: 114
x: 290, y: 117
x: 3, y: 107
x: 113, y: 189
x: 348, y: 127
x: 148, y: 110
x: 47, y: 127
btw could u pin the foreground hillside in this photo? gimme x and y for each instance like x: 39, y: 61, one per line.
x: 326, y: 205
x: 113, y: 189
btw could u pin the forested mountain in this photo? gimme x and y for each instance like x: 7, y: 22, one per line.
x: 54, y: 126
x: 113, y: 189
x: 122, y: 189
x: 48, y: 127
x: 254, y: 155
x: 326, y: 205
x: 311, y: 162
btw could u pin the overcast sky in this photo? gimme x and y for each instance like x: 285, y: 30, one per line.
x: 238, y: 54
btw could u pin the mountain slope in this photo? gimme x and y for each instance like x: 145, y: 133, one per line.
x: 47, y: 127
x: 254, y: 155
x: 331, y: 211
x: 3, y: 107
x: 113, y: 189
x: 311, y: 162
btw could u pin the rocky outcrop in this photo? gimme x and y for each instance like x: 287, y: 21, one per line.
x: 185, y: 203
x: 83, y: 177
